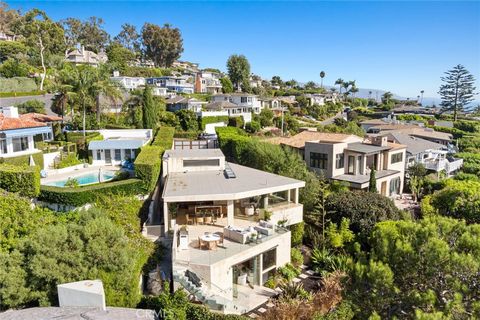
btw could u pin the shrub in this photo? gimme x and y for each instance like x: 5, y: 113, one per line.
x: 148, y: 165
x: 297, y: 231
x: 68, y: 161
x: 288, y: 272
x: 296, y: 257
x: 88, y: 194
x: 213, y: 119
x: 236, y: 122
x: 164, y: 138
x: 22, y: 179
x: 35, y: 106
x: 24, y: 160
x: 253, y: 127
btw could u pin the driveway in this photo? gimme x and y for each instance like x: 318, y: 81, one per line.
x: 46, y: 98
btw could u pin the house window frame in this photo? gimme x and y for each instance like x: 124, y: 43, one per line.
x: 117, y: 156
x: 24, y: 145
x: 340, y: 161
x: 318, y: 160
x: 396, y: 157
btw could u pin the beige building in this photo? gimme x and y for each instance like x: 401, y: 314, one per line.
x: 350, y: 159
x: 82, y: 56
x: 228, y: 223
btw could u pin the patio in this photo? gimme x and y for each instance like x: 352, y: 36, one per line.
x: 202, y: 256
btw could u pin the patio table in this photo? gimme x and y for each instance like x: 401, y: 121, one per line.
x: 211, y: 240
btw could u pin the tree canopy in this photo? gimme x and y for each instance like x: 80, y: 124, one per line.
x: 238, y: 70
x: 163, y: 45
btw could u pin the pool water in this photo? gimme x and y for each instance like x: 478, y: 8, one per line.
x: 88, y: 178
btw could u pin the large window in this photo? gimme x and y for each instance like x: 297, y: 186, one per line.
x: 243, y: 99
x: 201, y: 163
x: 318, y: 160
x: 395, y: 186
x: 20, y: 144
x: 99, y: 155
x: 397, y: 157
x: 339, y: 161
x: 269, y: 259
x: 3, y: 145
x: 118, y: 154
x: 351, y: 164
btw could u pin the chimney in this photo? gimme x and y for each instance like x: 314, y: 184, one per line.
x: 10, y: 112
x: 380, y: 141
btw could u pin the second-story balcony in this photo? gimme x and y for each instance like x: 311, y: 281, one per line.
x: 437, y: 165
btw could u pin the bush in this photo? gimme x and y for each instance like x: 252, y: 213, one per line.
x: 296, y: 257
x: 253, y: 127
x: 14, y: 68
x: 214, y: 119
x: 35, y: 106
x: 190, y: 135
x: 297, y: 231
x: 24, y: 160
x: 18, y: 86
x: 68, y: 161
x: 288, y: 272
x: 236, y: 122
x: 148, y: 165
x: 164, y: 138
x: 88, y: 194
x: 22, y: 179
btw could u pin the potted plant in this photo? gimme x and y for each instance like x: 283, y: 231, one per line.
x: 173, y: 209
x: 267, y: 215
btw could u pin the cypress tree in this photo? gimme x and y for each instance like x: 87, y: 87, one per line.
x: 149, y: 120
x: 372, y: 184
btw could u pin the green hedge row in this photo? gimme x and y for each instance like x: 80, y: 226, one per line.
x: 191, y: 135
x: 22, y: 179
x: 214, y: 119
x: 232, y: 141
x: 164, y: 138
x: 24, y: 160
x: 148, y: 165
x: 88, y: 194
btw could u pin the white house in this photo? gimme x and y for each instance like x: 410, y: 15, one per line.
x: 434, y: 156
x: 182, y: 103
x: 180, y: 84
x: 18, y: 133
x: 240, y: 102
x: 129, y: 83
x: 82, y: 56
x: 228, y: 226
x: 118, y: 145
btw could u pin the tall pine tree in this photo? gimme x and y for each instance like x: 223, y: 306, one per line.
x: 372, y: 184
x: 457, y: 91
x: 149, y: 116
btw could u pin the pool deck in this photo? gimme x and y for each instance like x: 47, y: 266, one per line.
x: 75, y: 172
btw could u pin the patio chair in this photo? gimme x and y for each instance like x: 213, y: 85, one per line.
x: 190, y: 220
x: 200, y: 243
x: 207, y: 219
x: 200, y: 219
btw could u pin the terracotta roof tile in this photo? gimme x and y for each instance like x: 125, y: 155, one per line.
x: 21, y: 122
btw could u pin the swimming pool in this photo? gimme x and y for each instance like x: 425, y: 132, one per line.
x: 84, y: 179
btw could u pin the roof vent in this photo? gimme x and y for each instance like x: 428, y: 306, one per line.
x: 229, y: 174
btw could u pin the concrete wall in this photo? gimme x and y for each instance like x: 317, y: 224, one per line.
x: 48, y: 159
x: 174, y: 164
x: 293, y: 215
x: 124, y: 154
x: 210, y: 127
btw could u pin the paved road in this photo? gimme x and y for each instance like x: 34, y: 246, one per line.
x: 47, y: 99
x: 332, y: 119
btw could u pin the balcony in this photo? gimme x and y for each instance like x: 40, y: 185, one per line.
x: 438, y: 165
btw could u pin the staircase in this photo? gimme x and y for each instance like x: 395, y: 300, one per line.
x: 203, y: 294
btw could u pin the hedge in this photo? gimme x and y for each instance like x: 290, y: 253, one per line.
x: 24, y: 160
x: 213, y: 119
x: 18, y: 86
x: 148, y: 165
x: 191, y: 135
x: 164, y: 138
x: 232, y: 140
x: 22, y: 179
x: 88, y: 194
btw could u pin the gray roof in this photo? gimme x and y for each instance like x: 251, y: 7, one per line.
x: 117, y: 144
x: 78, y: 313
x: 219, y: 105
x: 366, y: 148
x: 364, y: 178
x: 415, y: 145
x: 214, y: 185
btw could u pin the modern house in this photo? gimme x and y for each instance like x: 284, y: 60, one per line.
x: 241, y: 102
x: 228, y: 223
x: 129, y: 83
x: 180, y: 84
x: 118, y: 145
x: 350, y: 159
x: 208, y: 82
x: 432, y: 155
x: 182, y: 103
x: 82, y: 56
x: 18, y: 133
x: 321, y: 98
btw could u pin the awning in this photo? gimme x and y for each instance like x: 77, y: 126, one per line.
x: 26, y: 131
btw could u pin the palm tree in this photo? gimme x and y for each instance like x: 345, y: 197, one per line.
x: 340, y: 82
x: 421, y: 99
x: 322, y: 75
x: 354, y: 90
x: 107, y: 88
x: 83, y: 80
x: 345, y: 85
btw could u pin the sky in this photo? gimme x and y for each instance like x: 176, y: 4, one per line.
x: 403, y: 47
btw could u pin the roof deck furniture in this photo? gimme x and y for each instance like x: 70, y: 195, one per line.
x: 210, y: 240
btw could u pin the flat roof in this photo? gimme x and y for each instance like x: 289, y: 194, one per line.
x: 298, y: 141
x: 214, y: 185
x: 366, y: 148
x: 78, y: 313
x: 193, y: 153
x: 364, y: 178
x: 119, y: 143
